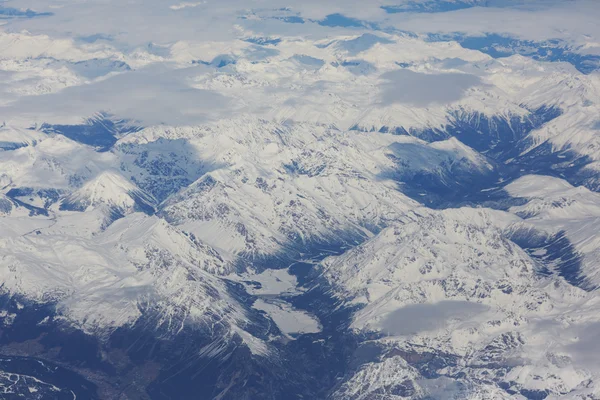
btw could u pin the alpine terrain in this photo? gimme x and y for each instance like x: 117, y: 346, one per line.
x: 329, y: 200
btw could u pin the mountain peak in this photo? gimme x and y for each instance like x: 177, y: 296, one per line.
x: 113, y: 189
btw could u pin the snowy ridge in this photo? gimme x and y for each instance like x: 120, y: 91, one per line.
x: 463, y: 286
x: 13, y: 138
x: 368, y: 99
x: 112, y: 189
x: 554, y: 206
x: 107, y: 282
x: 299, y: 194
x: 53, y: 162
x: 172, y: 176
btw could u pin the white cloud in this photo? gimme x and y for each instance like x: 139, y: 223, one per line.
x: 181, y: 6
x: 416, y: 318
x: 418, y: 89
x: 138, y: 22
x: 537, y: 20
x: 152, y: 96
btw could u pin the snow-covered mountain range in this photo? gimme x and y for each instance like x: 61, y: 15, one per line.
x: 376, y: 200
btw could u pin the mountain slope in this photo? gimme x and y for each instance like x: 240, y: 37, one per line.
x: 236, y: 201
x: 102, y: 283
x: 112, y: 189
x: 450, y: 302
x: 557, y: 208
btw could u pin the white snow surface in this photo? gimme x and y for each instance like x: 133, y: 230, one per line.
x: 109, y: 188
x: 554, y: 206
x: 289, y: 320
x: 255, y: 139
x: 452, y: 281
x: 102, y: 282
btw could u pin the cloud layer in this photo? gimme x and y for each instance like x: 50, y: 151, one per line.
x: 418, y: 89
x: 155, y: 95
